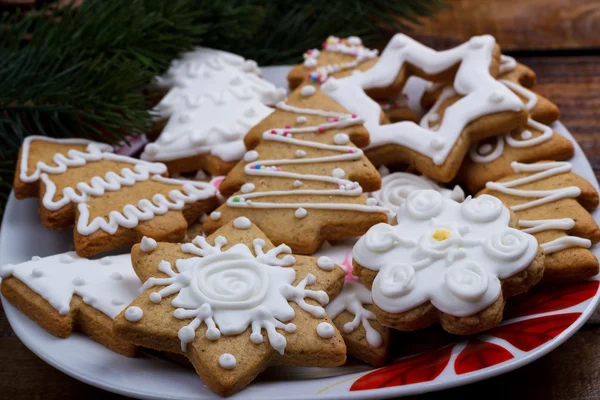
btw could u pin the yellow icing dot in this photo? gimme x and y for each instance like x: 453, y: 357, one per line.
x: 441, y: 234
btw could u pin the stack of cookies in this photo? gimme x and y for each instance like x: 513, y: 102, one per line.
x: 341, y: 220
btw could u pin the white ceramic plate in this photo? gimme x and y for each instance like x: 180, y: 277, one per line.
x: 552, y: 316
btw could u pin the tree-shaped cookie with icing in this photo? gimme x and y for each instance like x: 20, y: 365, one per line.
x: 552, y: 204
x: 234, y: 304
x: 112, y: 200
x: 447, y: 262
x: 352, y: 309
x: 478, y: 107
x: 212, y: 103
x: 65, y: 293
x: 303, y: 178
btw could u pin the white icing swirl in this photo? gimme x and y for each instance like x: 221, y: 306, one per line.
x: 424, y: 204
x: 396, y: 280
x: 484, y: 208
x: 507, y: 245
x: 468, y: 281
x: 380, y: 238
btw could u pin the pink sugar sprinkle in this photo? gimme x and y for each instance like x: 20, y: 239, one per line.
x: 321, y: 129
x: 350, y: 151
x: 288, y: 126
x: 353, y: 115
x: 273, y: 131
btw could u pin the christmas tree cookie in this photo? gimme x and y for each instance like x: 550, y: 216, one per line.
x: 234, y: 304
x: 303, y: 178
x: 111, y: 199
x: 552, y: 204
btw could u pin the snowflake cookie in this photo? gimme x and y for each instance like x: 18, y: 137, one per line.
x: 233, y: 303
x: 447, y: 262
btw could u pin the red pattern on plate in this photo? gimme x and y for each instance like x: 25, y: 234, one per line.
x: 554, y: 298
x: 479, y: 355
x: 528, y: 334
x: 422, y: 368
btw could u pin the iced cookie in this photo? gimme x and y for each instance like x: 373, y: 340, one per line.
x: 396, y: 109
x: 303, y: 178
x: 447, y: 262
x: 234, y: 304
x: 212, y: 103
x: 397, y: 186
x: 112, y: 200
x: 65, y: 293
x: 551, y: 203
x: 352, y: 310
x: 475, y: 107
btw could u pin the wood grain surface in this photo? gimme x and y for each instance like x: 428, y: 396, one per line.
x: 517, y: 24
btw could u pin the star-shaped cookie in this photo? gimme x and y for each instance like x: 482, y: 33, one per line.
x: 233, y: 306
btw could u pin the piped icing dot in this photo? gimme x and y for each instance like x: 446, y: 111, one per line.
x: 341, y: 139
x: 300, y: 153
x: 308, y: 90
x: 301, y: 120
x: 36, y: 258
x: 78, y: 281
x: 338, y: 173
x: 325, y: 263
x: 526, y: 135
x: 496, y: 97
x: 248, y: 187
x: 437, y: 144
x: 116, y: 276
x: 485, y: 148
x: 116, y: 302
x: 300, y: 213
x: 371, y: 201
x: 227, y: 361
x: 325, y: 330
x: 105, y: 260
x: 134, y: 314
x: 297, y: 183
x: 215, y: 215
x: 242, y: 223
x: 251, y: 155
x: 66, y: 259
x: 37, y: 273
x: 148, y: 244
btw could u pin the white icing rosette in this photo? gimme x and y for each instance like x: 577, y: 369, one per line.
x: 467, y: 281
x: 232, y: 284
x: 447, y: 253
x: 484, y: 208
x: 508, y: 245
x: 424, y: 204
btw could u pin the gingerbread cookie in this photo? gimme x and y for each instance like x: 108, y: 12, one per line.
x: 551, y: 202
x: 476, y: 107
x: 302, y: 180
x: 446, y: 261
x: 212, y: 104
x: 516, y: 72
x: 397, y: 186
x: 65, y: 292
x: 352, y: 310
x: 397, y: 109
x: 233, y: 306
x: 112, y: 200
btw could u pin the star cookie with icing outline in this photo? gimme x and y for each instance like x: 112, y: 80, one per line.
x: 112, y: 200
x: 447, y: 262
x: 65, y: 293
x: 303, y: 179
x: 234, y: 304
x: 477, y: 107
x: 553, y: 204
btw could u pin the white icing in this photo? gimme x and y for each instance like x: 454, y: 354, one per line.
x: 215, y: 215
x: 227, y: 361
x: 479, y: 153
x: 251, y: 155
x: 507, y: 64
x: 541, y: 171
x: 301, y: 120
x: 134, y: 314
x: 325, y: 263
x: 396, y: 187
x: 562, y: 243
x: 213, y: 101
x: 247, y: 188
x: 92, y: 280
x: 273, y: 168
x: 147, y: 244
x: 325, y: 330
x: 445, y: 252
x: 300, y: 213
x: 234, y: 289
x: 184, y: 192
x: 341, y: 138
x: 482, y: 93
x: 352, y: 46
x: 242, y: 223
x: 308, y: 90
